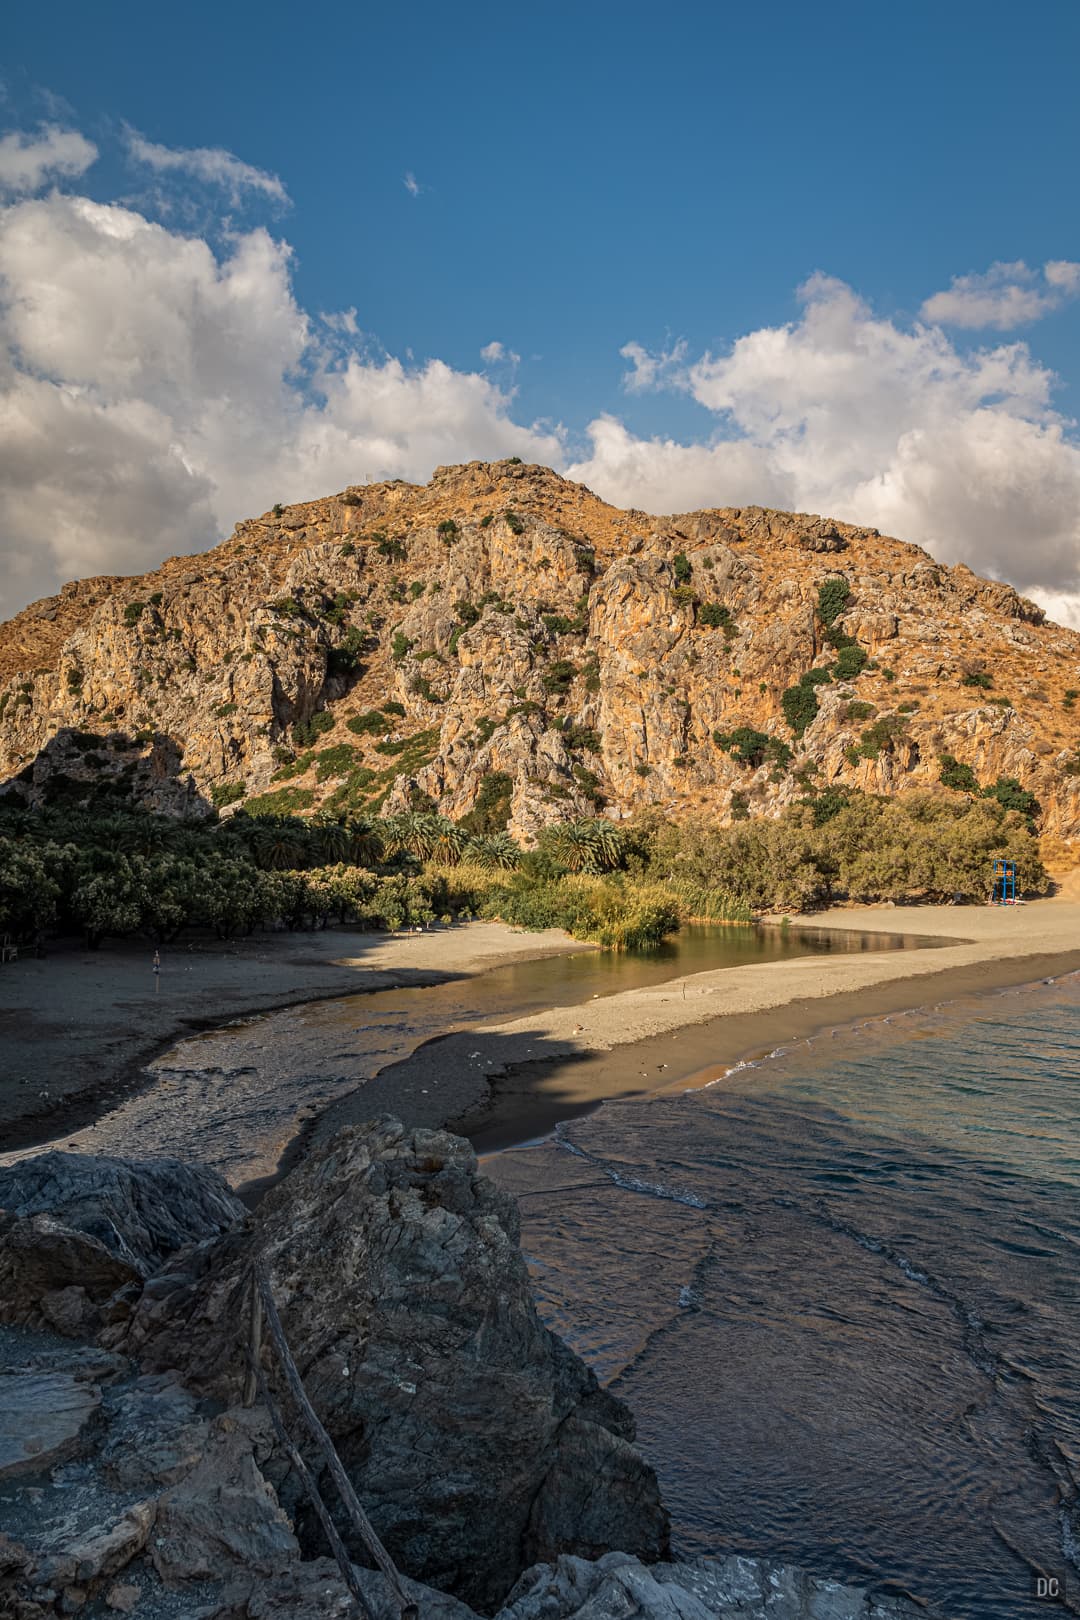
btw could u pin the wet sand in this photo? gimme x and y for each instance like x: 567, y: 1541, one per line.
x: 503, y: 1081
x: 525, y: 1075
x: 78, y: 1027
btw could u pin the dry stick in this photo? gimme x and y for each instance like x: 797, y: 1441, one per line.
x: 254, y: 1342
x: 337, y: 1546
x: 362, y: 1524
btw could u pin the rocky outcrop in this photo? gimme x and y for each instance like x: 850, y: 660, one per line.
x: 478, y: 1442
x: 731, y: 1588
x: 489, y: 1458
x: 522, y: 626
x: 75, y: 1230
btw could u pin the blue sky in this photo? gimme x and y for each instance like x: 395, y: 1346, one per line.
x: 589, y: 177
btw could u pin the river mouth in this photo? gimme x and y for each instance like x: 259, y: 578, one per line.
x: 262, y: 1086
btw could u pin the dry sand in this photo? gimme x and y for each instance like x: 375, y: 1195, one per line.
x: 499, y: 1081
x: 78, y: 1027
x: 527, y: 1073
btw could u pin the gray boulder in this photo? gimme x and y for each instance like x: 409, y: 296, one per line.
x: 478, y: 1442
x: 618, y: 1587
x: 75, y: 1229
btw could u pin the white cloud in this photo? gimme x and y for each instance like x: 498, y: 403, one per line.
x: 495, y: 352
x: 210, y: 164
x: 412, y: 184
x: 154, y: 389
x: 149, y: 395
x: 847, y: 414
x: 27, y: 161
x: 1005, y: 296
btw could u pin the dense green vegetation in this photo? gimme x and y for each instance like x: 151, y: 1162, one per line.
x: 626, y: 886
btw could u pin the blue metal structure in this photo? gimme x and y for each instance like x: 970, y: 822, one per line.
x: 1003, y: 888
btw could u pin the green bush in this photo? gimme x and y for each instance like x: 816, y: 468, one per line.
x: 799, y: 706
x: 977, y: 677
x: 226, y: 793
x: 305, y: 733
x: 961, y: 778
x: 400, y: 646
x: 372, y: 723
x: 515, y: 524
x: 1011, y: 796
x: 833, y: 597
x: 682, y: 568
x: 295, y: 766
x: 715, y: 616
x: 286, y: 801
x: 335, y: 761
x: 491, y: 811
x: 449, y: 530
x: 134, y: 612
x: 558, y: 678
x: 851, y: 661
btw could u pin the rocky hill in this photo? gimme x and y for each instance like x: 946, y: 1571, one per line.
x: 502, y: 634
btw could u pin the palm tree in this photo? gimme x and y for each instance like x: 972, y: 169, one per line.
x: 330, y: 840
x: 365, y: 840
x: 496, y: 853
x: 280, y: 842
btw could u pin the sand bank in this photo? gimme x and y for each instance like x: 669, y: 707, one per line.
x: 78, y: 1027
x: 684, y: 1032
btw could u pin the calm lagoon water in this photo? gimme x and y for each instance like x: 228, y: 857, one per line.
x: 840, y: 1289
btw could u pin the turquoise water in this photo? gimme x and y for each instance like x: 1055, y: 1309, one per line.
x: 839, y: 1290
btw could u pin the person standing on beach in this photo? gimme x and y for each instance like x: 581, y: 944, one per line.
x: 157, y: 971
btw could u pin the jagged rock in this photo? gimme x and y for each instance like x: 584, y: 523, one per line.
x: 190, y: 678
x: 476, y: 1439
x: 44, y: 1418
x: 316, y: 1591
x: 75, y: 1229
x: 122, y: 1597
x: 99, y: 1554
x: 222, y: 1518
x: 618, y: 1587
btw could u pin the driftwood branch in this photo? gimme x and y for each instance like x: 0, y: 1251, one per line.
x: 337, y: 1546
x: 360, y: 1521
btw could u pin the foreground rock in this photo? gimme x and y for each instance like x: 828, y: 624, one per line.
x: 75, y: 1229
x: 132, y: 1483
x: 478, y: 1442
x: 731, y: 1588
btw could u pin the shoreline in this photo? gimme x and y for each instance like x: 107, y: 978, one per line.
x: 518, y: 1114
x: 539, y: 1070
x: 81, y: 1028
x: 506, y: 1082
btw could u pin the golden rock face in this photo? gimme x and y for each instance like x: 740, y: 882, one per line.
x: 525, y: 627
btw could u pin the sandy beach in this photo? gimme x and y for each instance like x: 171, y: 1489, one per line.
x: 78, y: 1027
x: 499, y: 1080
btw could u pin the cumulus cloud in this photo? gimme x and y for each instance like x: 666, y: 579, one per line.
x: 27, y: 161
x: 495, y: 352
x: 1005, y: 296
x: 411, y: 184
x: 845, y: 413
x: 210, y: 164
x: 155, y: 387
x: 152, y: 392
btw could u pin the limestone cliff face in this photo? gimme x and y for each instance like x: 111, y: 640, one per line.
x: 503, y: 620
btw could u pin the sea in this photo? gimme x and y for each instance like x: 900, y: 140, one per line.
x: 839, y: 1287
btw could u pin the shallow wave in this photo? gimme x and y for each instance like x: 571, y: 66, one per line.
x: 845, y: 1310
